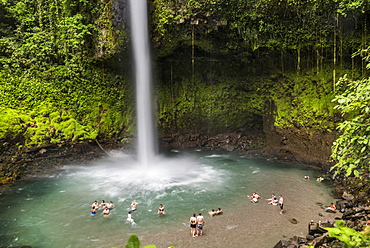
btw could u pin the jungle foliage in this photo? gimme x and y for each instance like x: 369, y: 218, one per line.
x: 65, y: 75
x: 351, y: 150
x: 350, y: 237
x: 54, y: 86
x: 292, y: 51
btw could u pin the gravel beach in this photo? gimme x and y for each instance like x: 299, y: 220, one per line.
x: 252, y: 225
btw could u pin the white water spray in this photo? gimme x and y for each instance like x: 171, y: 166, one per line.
x: 146, y: 148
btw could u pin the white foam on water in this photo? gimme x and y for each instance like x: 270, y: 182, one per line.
x: 124, y: 174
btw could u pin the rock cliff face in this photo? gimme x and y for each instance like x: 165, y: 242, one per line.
x: 291, y: 144
x: 308, y: 146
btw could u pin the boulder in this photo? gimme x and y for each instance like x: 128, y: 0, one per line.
x: 282, y: 244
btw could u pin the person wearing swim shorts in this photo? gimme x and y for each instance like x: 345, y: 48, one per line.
x: 200, y: 224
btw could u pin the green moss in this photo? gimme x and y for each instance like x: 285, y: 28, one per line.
x: 37, y: 110
x: 304, y: 102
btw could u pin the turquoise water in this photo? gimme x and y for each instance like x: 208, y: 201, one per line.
x: 53, y: 210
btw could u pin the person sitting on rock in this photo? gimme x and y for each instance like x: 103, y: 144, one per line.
x: 320, y: 179
x: 332, y: 208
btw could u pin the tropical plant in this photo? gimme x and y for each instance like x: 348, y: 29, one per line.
x: 352, y: 148
x: 349, y: 236
x: 134, y: 242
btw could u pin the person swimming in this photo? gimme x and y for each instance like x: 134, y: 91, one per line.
x: 213, y: 212
x: 110, y: 205
x: 106, y: 212
x: 219, y: 211
x: 95, y: 204
x: 93, y: 211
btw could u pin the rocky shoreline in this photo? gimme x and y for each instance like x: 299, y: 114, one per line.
x: 353, y: 208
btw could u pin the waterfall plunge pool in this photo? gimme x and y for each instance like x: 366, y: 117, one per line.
x: 53, y: 210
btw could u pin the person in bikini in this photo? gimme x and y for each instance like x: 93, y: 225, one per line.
x: 161, y: 209
x: 331, y: 208
x: 193, y: 225
x: 133, y: 205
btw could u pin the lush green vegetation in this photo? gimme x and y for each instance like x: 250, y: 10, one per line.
x: 351, y: 150
x: 292, y: 51
x: 54, y: 84
x: 65, y: 70
x: 350, y: 237
x: 134, y: 242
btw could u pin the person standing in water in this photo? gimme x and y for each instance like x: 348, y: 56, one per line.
x: 133, y: 205
x: 161, y: 209
x: 200, y: 224
x: 106, y: 212
x: 193, y: 225
x: 95, y: 204
x: 93, y: 211
x: 281, y: 204
x: 110, y: 205
x: 129, y: 217
x: 103, y: 204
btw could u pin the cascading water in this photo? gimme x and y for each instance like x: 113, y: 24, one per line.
x: 140, y: 40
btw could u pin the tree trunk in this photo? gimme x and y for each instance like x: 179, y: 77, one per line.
x: 298, y: 60
x: 335, y: 51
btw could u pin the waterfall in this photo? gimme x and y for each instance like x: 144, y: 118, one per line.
x: 146, y: 148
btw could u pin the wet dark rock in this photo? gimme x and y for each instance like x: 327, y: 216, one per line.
x: 293, y: 221
x: 353, y: 210
x: 17, y: 164
x: 282, y: 244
